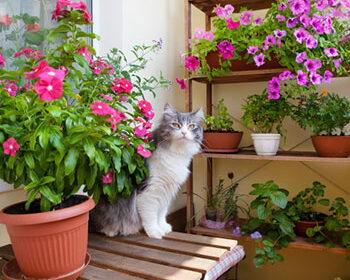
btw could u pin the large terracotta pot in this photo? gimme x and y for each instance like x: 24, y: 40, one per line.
x: 221, y: 142
x: 332, y: 146
x: 302, y: 226
x: 50, y: 244
x: 240, y: 65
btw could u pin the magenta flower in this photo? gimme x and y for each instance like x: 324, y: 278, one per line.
x: 209, y: 36
x: 191, y: 63
x: 64, y: 69
x: 302, y: 78
x: 265, y: 46
x: 301, y: 57
x: 11, y: 89
x: 321, y: 5
x: 108, y: 178
x: 328, y: 77
x: 297, y: 7
x: 107, y: 97
x: 86, y: 53
x: 145, y: 106
x: 317, y: 24
x: 305, y: 20
x: 280, y: 17
x: 49, y: 88
x: 274, y: 88
x: 311, y: 42
x: 50, y: 72
x: 280, y: 33
x: 253, y: 49
x: 221, y: 12
x: 10, y: 147
x: 331, y: 52
x: 258, y: 21
x: 29, y: 53
x: 259, y: 59
x: 101, y: 108
x: 337, y: 14
x: 143, y: 151
x: 312, y: 65
x: 199, y: 33
x: 245, y: 17
x: 286, y: 75
x: 99, y: 65
x: 182, y: 83
x: 231, y: 24
x: 123, y: 98
x: 2, y: 60
x: 229, y: 9
x: 37, y: 70
x: 270, y: 40
x: 114, y: 119
x: 149, y: 115
x: 282, y: 7
x: 337, y: 63
x: 256, y: 235
x: 292, y: 22
x: 140, y: 131
x: 301, y: 34
x: 121, y: 85
x: 226, y: 49
x: 315, y: 78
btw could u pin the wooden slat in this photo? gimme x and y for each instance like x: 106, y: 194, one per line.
x: 299, y: 243
x: 224, y: 243
x: 98, y: 273
x: 176, y: 246
x: 281, y: 156
x: 207, y: 6
x: 141, y: 268
x: 147, y: 254
x: 6, y: 252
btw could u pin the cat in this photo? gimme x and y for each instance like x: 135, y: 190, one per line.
x: 177, y: 139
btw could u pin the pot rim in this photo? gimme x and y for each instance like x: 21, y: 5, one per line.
x: 227, y: 132
x: 46, y: 217
x: 310, y: 222
x: 265, y: 134
x: 332, y: 136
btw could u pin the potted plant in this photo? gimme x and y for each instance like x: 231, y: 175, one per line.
x: 327, y: 115
x: 264, y: 116
x: 220, y: 135
x: 68, y: 120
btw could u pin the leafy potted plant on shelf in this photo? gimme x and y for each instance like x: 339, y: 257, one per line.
x: 264, y: 116
x: 68, y: 120
x: 327, y: 115
x: 220, y: 135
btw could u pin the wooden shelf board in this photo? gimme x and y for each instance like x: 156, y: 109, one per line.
x: 300, y: 243
x: 207, y: 6
x: 281, y: 156
x: 242, y: 76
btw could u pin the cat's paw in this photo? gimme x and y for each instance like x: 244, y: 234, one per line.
x: 154, y: 233
x: 166, y: 228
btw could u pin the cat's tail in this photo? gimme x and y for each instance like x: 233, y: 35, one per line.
x: 119, y: 218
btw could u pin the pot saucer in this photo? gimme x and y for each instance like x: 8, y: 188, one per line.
x: 11, y: 271
x: 223, y: 151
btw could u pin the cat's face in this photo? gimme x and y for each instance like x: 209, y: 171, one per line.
x: 179, y: 126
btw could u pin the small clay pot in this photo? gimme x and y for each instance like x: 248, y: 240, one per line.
x: 302, y: 226
x: 332, y: 146
x: 210, y: 214
x: 221, y: 142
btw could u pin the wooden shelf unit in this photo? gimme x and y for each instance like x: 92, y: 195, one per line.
x: 299, y: 243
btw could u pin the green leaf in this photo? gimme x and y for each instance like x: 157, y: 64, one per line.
x: 310, y: 232
x: 279, y: 258
x: 71, y: 160
x: 50, y: 195
x: 20, y: 168
x: 55, y: 111
x: 28, y: 157
x: 287, y: 228
x: 45, y: 204
x: 31, y: 185
x: 59, y: 183
x: 56, y: 141
x: 121, y: 180
x: 34, y: 38
x: 91, y: 176
x: 279, y: 199
x: 44, y: 135
x: 259, y: 261
x: 324, y: 202
x: 89, y: 148
x: 46, y: 180
x: 31, y: 197
x: 81, y: 60
x: 101, y: 160
x: 263, y: 212
x: 117, y: 162
x: 268, y: 243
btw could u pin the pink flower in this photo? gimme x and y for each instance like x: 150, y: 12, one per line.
x: 37, y: 70
x: 57, y: 13
x: 149, y: 115
x: 49, y: 89
x: 208, y: 36
x: 270, y: 40
x: 226, y: 49
x: 5, y: 20
x: 31, y: 27
x: 199, y: 33
x: 297, y: 7
x: 301, y: 57
x: 182, y: 83
x: 145, y: 106
x: 50, y: 72
x: 191, y: 63
x: 99, y: 65
x: 143, y: 151
x: 108, y: 178
x: 11, y: 89
x: 274, y: 88
x: 101, y: 108
x: 259, y: 59
x: 140, y: 131
x: 312, y: 65
x: 258, y: 21
x: 253, y: 49
x: 229, y: 9
x: 114, y: 119
x: 121, y: 85
x: 10, y: 146
x: 232, y: 24
x: 315, y: 78
x: 337, y: 63
x: 29, y: 53
x: 282, y: 7
x: 107, y: 97
x: 64, y: 69
x: 302, y: 78
x: 86, y: 53
x: 245, y: 17
x: 221, y: 12
x: 2, y: 60
x: 280, y: 17
x: 331, y: 52
x: 328, y: 77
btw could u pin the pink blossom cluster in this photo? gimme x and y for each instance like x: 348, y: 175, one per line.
x: 58, y: 12
x: 10, y: 147
x: 224, y: 12
x: 29, y: 53
x: 99, y: 65
x: 2, y: 60
x: 33, y: 27
x: 86, y: 53
x: 121, y: 85
x: 5, y: 20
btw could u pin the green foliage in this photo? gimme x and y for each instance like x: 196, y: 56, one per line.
x: 324, y: 113
x: 221, y: 120
x: 263, y: 114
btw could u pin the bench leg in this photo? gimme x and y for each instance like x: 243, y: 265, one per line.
x: 225, y: 276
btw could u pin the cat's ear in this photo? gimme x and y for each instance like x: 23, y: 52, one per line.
x: 168, y: 110
x: 199, y: 115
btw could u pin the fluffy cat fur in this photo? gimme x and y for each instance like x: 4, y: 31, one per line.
x: 177, y: 140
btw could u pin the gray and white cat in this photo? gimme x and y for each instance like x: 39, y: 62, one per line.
x: 178, y: 138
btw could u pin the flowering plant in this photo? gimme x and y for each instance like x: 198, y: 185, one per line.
x: 326, y: 113
x: 221, y: 120
x: 69, y: 120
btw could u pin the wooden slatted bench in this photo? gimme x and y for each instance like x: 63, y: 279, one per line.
x: 178, y: 256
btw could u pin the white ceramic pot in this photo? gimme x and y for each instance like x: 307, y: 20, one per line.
x: 266, y: 144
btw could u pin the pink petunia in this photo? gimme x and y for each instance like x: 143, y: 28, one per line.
x: 199, y: 33
x: 108, y: 178
x: 280, y: 17
x: 101, y: 108
x: 231, y: 24
x: 2, y: 60
x: 49, y: 89
x: 50, y: 72
x: 191, y: 63
x: 259, y: 59
x: 302, y: 78
x: 337, y: 63
x: 258, y: 21
x: 253, y: 49
x: 37, y: 70
x: 182, y: 83
x: 209, y: 36
x: 10, y: 146
x: 121, y: 85
x: 328, y: 77
x: 221, y: 12
x: 140, y: 131
x: 143, y: 151
x: 246, y: 18
x: 315, y: 78
x: 107, y: 97
x: 11, y: 89
x: 331, y: 52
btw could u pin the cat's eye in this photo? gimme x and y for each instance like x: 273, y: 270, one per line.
x: 176, y: 125
x: 191, y: 126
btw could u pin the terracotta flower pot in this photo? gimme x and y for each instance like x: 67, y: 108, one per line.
x: 302, y: 226
x: 50, y: 244
x: 221, y: 142
x: 240, y: 65
x: 331, y: 146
